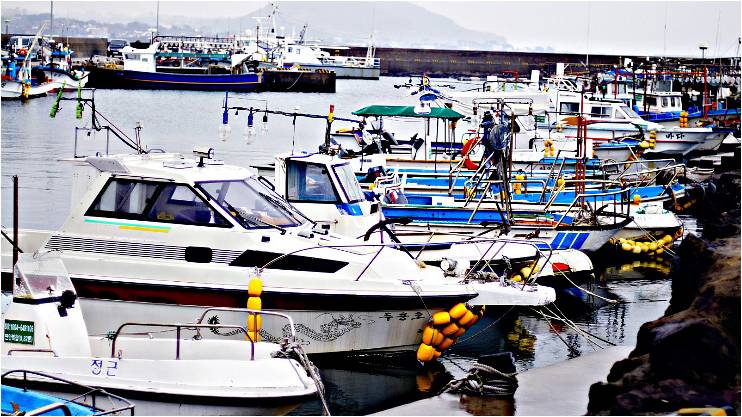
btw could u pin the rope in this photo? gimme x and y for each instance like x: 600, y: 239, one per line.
x: 484, y: 380
x: 296, y: 352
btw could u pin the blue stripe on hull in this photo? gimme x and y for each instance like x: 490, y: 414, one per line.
x: 203, y: 82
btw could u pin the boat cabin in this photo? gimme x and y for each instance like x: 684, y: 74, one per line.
x: 326, y: 189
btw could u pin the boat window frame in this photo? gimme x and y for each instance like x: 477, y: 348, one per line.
x: 91, y: 212
x: 209, y: 197
x: 342, y: 187
x: 338, y: 199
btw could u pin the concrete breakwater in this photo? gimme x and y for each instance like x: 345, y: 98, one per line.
x: 690, y: 357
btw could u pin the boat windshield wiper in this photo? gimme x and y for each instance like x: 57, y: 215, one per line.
x: 286, y: 207
x: 243, y: 215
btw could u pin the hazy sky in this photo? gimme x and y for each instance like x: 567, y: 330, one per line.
x: 640, y: 27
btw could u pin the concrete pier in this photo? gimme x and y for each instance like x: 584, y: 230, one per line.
x: 559, y: 389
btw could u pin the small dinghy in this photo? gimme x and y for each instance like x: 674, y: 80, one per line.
x: 78, y: 400
x: 192, y: 373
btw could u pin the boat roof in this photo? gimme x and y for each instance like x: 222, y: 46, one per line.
x: 408, y: 111
x: 169, y: 166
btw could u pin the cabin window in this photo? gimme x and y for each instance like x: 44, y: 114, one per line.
x: 124, y: 198
x: 154, y: 202
x: 179, y: 204
x: 619, y: 115
x: 569, y: 108
x: 673, y: 102
x: 629, y: 112
x: 349, y: 183
x: 600, y: 112
x: 144, y: 59
x: 309, y: 182
x: 664, y: 102
x: 652, y: 101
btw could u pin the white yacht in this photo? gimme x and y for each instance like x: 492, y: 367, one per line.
x: 160, y: 235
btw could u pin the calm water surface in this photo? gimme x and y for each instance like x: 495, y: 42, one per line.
x: 33, y: 144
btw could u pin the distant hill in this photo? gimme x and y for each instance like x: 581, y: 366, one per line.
x: 394, y: 24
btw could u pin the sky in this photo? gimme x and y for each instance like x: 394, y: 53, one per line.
x: 630, y: 27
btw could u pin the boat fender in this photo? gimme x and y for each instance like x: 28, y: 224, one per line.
x: 425, y: 353
x: 458, y: 311
x: 255, y: 287
x: 441, y: 318
x: 466, y: 319
x: 447, y: 342
x: 450, y: 329
x: 429, y: 333
x: 459, y: 333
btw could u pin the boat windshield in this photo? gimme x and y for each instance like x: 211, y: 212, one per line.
x: 251, y: 203
x: 631, y: 113
x: 349, y: 183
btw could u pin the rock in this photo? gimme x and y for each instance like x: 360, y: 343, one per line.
x: 691, y: 356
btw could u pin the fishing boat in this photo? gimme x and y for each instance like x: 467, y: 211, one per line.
x: 311, y: 56
x: 323, y: 186
x: 141, y: 71
x: 44, y: 330
x: 74, y: 400
x: 24, y: 82
x: 612, y: 118
x: 59, y: 70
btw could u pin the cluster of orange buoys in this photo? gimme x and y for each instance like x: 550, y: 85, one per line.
x: 444, y: 328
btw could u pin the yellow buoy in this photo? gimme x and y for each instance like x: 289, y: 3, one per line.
x: 468, y: 316
x: 459, y: 333
x: 659, y: 251
x: 254, y: 336
x: 627, y: 247
x: 254, y: 303
x: 637, y: 249
x: 653, y: 246
x: 255, y: 288
x: 636, y: 199
x: 560, y: 182
x: 441, y: 318
x: 428, y: 334
x: 436, y: 354
x: 447, y: 342
x: 474, y: 320
x: 425, y: 353
x: 254, y: 322
x: 516, y: 278
x: 450, y: 329
x: 456, y: 312
x: 526, y: 271
x: 437, y: 338
x: 667, y: 239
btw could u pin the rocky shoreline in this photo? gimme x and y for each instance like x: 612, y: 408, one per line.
x: 690, y: 357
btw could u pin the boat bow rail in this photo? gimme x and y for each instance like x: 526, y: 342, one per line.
x: 96, y: 397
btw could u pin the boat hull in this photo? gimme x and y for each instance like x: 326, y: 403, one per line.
x: 127, y: 79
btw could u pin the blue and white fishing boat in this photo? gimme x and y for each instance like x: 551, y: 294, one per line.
x: 141, y: 71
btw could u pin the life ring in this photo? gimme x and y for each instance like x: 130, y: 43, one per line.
x: 22, y: 52
x: 466, y: 150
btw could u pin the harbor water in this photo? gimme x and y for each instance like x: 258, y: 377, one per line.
x: 33, y: 145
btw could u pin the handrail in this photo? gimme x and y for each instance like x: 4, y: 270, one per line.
x: 48, y: 408
x: 178, y: 327
x: 89, y: 391
x: 10, y: 352
x: 250, y: 311
x: 392, y: 245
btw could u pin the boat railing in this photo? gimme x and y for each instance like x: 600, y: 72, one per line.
x: 292, y: 327
x: 581, y: 202
x: 471, y: 240
x: 179, y: 327
x: 118, y: 403
x: 354, y: 61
